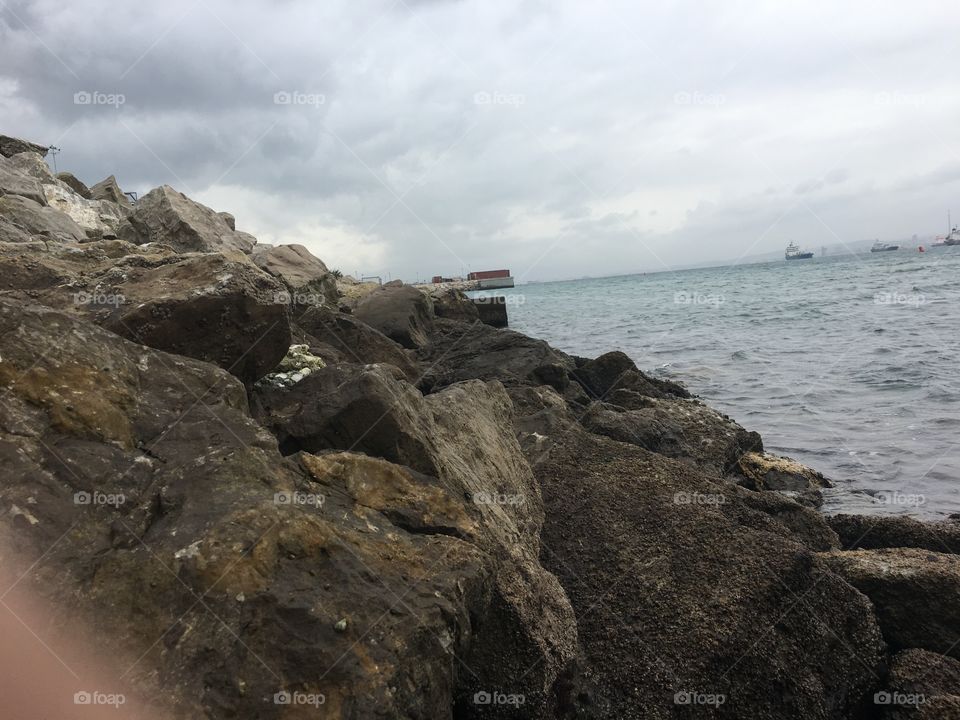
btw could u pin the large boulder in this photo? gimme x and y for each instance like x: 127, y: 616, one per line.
x: 684, y: 429
x: 75, y: 184
x: 369, y: 409
x: 615, y: 371
x: 141, y: 499
x: 13, y: 181
x: 915, y: 593
x: 458, y: 351
x: 166, y: 216
x: 306, y: 278
x: 40, y: 219
x: 921, y: 685
x: 10, y: 146
x: 205, y: 306
x: 404, y: 314
x: 869, y: 532
x: 356, y: 341
x: 689, y: 599
x: 453, y: 304
x: 108, y: 190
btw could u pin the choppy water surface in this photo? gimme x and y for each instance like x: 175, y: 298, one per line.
x: 849, y: 364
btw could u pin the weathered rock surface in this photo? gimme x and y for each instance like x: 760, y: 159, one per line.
x: 921, y: 685
x: 869, y: 532
x: 453, y: 304
x: 10, y: 146
x: 108, y: 189
x: 357, y: 342
x: 13, y: 181
x: 682, y: 429
x: 36, y: 219
x: 75, y: 184
x: 458, y: 351
x: 915, y: 593
x: 402, y: 313
x: 615, y: 371
x: 305, y: 277
x: 166, y: 216
x: 680, y: 594
x: 161, y: 514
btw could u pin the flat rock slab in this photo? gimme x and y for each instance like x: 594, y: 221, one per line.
x: 916, y: 594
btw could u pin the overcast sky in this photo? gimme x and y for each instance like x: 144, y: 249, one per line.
x: 555, y: 138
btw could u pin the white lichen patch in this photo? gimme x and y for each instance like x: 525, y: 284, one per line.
x: 297, y: 364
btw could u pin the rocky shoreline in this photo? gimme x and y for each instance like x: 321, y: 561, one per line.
x: 282, y: 494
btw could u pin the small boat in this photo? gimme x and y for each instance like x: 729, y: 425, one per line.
x: 883, y: 247
x: 793, y: 252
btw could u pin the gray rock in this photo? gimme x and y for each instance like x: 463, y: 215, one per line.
x: 404, y: 314
x: 868, y: 532
x: 13, y: 181
x: 10, y: 146
x: 109, y: 190
x: 306, y: 278
x: 71, y: 181
x: 166, y: 216
x: 37, y: 219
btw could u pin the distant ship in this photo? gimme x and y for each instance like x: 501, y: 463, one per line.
x: 793, y: 252
x: 883, y: 247
x: 953, y: 238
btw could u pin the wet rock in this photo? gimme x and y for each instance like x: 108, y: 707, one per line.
x: 615, y: 371
x: 402, y: 313
x: 913, y: 591
x: 678, y: 428
x: 166, y: 216
x: 868, y: 532
x: 463, y: 352
x: 10, y: 146
x: 682, y: 591
x: 764, y: 471
x: 355, y: 340
x: 75, y: 184
x: 306, y: 278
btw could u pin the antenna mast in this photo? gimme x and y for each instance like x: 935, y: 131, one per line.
x: 53, y: 151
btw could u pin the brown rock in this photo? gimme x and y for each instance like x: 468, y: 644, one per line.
x: 404, y: 314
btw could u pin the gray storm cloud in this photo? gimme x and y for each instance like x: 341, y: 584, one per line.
x: 559, y: 139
